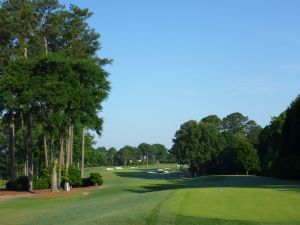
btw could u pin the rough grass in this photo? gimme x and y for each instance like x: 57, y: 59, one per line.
x: 133, y: 196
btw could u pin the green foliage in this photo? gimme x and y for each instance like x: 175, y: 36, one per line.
x: 211, y: 150
x: 246, y: 156
x: 197, y: 144
x: 288, y: 162
x: 43, y: 94
x: 96, y: 179
x: 235, y: 123
x: 269, y: 144
x: 213, y: 120
x: 94, y: 157
x: 41, y: 183
x: 279, y: 144
x: 73, y: 176
x: 111, y: 154
x: 127, y: 154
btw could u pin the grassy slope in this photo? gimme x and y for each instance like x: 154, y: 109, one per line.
x: 133, y: 196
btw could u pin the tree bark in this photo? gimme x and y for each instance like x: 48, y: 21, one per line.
x: 24, y: 145
x: 147, y: 159
x: 61, y: 159
x: 82, y: 152
x: 46, y: 151
x: 12, y: 152
x: 67, y: 186
x: 72, y: 143
x: 25, y: 53
x: 54, y: 177
x: 54, y: 165
x: 29, y: 153
x: 46, y: 45
x: 52, y: 151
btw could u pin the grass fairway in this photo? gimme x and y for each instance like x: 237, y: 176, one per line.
x: 134, y: 196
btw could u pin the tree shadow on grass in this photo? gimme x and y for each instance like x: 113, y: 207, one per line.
x: 217, y: 181
x: 147, y: 175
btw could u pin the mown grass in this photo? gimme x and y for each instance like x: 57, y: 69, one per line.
x: 134, y: 196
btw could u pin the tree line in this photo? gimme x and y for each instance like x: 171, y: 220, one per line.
x: 142, y: 155
x: 237, y: 145
x: 218, y: 146
x: 279, y: 144
x: 52, y: 84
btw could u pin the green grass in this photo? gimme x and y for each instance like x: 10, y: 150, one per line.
x: 134, y: 196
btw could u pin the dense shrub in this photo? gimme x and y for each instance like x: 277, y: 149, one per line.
x: 42, y: 183
x: 93, y: 180
x: 86, y: 182
x: 73, y: 176
x: 96, y: 179
x: 46, y: 173
x: 9, y: 185
x: 20, y: 184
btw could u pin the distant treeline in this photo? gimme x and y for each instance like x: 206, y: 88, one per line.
x: 144, y: 154
x: 235, y: 145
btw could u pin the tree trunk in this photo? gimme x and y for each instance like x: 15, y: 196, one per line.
x: 46, y: 45
x: 72, y: 143
x: 60, y: 160
x: 25, y: 53
x: 147, y: 159
x: 247, y: 172
x: 25, y: 168
x: 12, y: 152
x: 29, y: 153
x: 24, y: 145
x: 52, y: 152
x: 45, y: 151
x: 67, y: 186
x: 54, y: 177
x: 82, y: 151
x: 67, y: 154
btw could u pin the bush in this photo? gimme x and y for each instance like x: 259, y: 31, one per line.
x: 73, y: 176
x: 96, y: 179
x: 86, y: 182
x: 93, y: 180
x: 9, y: 185
x: 42, y: 183
x: 46, y: 173
x: 20, y: 184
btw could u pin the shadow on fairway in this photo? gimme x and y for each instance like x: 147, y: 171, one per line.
x: 144, y: 174
x: 217, y: 181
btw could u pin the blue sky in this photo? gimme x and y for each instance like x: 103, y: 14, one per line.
x: 180, y: 60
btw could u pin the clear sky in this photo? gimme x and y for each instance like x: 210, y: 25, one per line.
x: 177, y: 60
